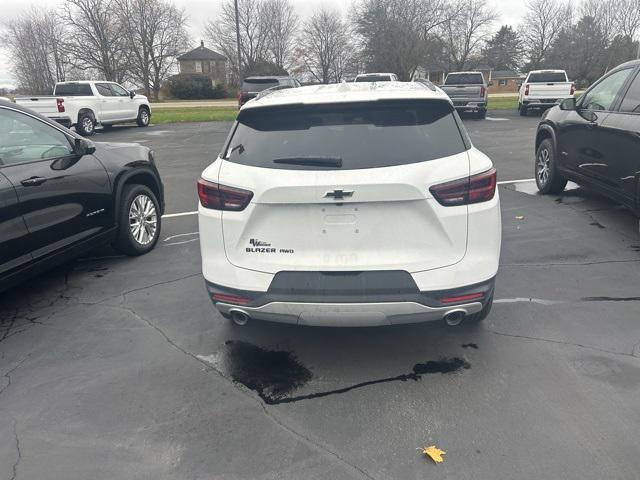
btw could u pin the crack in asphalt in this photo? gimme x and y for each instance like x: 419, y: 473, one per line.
x: 7, y: 375
x: 569, y: 264
x: 19, y: 452
x: 267, y: 413
x: 633, y: 353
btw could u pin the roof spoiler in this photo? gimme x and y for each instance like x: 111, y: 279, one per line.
x: 269, y: 91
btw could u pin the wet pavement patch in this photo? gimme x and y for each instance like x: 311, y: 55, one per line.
x: 273, y: 375
x: 470, y: 345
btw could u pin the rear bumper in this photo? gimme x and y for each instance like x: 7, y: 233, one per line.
x: 396, y: 304
x: 541, y: 102
x: 469, y: 103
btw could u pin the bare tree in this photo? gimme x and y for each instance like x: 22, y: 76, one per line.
x: 281, y: 26
x: 97, y: 39
x: 628, y: 13
x: 254, y: 35
x: 324, y: 46
x: 35, y: 43
x: 542, y: 24
x: 393, y: 35
x: 156, y: 32
x: 467, y: 30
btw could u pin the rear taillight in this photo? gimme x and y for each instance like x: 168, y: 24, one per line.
x: 60, y: 104
x: 474, y: 189
x: 221, y: 197
x: 573, y: 89
x: 462, y: 298
x: 482, y: 90
x: 526, y: 89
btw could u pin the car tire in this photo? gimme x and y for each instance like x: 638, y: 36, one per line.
x: 86, y: 125
x: 482, y: 314
x: 523, y: 110
x: 144, y: 117
x: 548, y: 179
x: 482, y: 114
x: 139, y: 212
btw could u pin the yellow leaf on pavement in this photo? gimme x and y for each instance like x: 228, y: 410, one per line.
x: 435, y: 453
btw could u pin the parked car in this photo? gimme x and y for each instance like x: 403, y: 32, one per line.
x: 312, y: 214
x: 595, y: 140
x: 467, y: 91
x: 376, y: 77
x: 61, y: 195
x: 86, y: 104
x: 543, y: 89
x: 252, y: 86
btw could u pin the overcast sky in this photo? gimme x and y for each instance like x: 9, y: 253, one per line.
x: 199, y: 11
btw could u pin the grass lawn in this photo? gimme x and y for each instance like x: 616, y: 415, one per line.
x: 193, y: 114
x: 503, y: 103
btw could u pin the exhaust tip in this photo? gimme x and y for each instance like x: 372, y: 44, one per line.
x: 455, y: 317
x: 239, y: 317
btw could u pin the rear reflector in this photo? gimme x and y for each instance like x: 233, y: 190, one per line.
x: 221, y: 197
x: 474, y: 189
x: 227, y: 298
x: 462, y: 298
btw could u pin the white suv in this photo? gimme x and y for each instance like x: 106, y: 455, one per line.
x: 355, y: 204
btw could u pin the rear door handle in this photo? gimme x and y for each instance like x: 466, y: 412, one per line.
x: 33, y: 181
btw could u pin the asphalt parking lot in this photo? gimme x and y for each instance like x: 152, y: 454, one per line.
x: 119, y: 368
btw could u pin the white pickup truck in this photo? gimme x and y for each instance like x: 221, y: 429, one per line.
x: 543, y: 89
x: 85, y: 104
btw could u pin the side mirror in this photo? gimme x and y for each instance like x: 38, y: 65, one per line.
x: 132, y: 94
x: 84, y: 147
x: 568, y: 104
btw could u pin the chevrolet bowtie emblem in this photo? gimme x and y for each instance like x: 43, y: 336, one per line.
x: 339, y: 194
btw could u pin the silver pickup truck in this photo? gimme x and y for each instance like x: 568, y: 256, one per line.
x: 467, y: 91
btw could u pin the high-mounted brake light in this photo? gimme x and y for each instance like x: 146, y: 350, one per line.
x: 60, y: 104
x: 474, y: 189
x: 526, y: 89
x: 221, y: 197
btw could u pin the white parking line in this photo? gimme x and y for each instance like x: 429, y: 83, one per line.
x: 186, y: 214
x: 181, y: 214
x: 524, y: 180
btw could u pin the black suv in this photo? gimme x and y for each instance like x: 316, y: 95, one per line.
x: 595, y: 141
x: 61, y: 195
x: 252, y: 86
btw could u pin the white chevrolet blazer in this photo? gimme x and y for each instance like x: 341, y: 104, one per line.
x: 355, y: 204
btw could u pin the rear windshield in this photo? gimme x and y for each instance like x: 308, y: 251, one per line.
x: 547, y: 77
x: 464, y: 79
x: 346, y: 136
x: 374, y: 78
x: 258, y: 84
x: 73, y: 89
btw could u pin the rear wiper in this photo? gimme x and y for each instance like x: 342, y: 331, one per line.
x: 335, y: 162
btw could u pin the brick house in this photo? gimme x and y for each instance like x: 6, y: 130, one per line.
x: 204, y: 61
x: 505, y: 81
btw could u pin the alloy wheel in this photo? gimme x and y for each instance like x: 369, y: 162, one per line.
x: 543, y: 166
x: 143, y: 220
